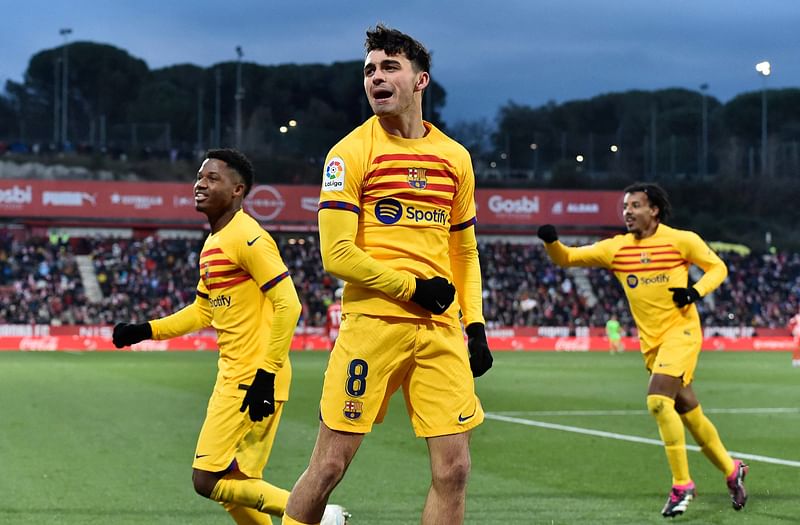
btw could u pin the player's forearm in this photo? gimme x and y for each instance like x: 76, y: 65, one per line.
x: 286, y: 311
x: 712, y: 278
x: 558, y: 253
x: 343, y: 259
x: 466, y: 268
x: 185, y: 321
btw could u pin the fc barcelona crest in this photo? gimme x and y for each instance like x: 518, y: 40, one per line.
x: 353, y: 409
x: 644, y: 258
x: 417, y: 178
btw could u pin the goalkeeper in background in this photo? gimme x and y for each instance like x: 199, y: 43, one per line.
x: 396, y: 223
x: 652, y: 263
x: 614, y: 334
x: 245, y: 293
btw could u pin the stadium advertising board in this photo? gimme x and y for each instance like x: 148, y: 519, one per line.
x: 45, y: 338
x: 278, y: 204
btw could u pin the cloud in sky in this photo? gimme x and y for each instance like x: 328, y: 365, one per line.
x: 485, y: 53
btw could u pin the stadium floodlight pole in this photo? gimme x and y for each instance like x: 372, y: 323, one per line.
x: 239, y: 96
x: 704, y: 147
x: 56, y: 107
x: 65, y: 32
x: 764, y: 68
x: 218, y: 85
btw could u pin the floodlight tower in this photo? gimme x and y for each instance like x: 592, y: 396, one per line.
x: 764, y: 69
x: 65, y: 32
x: 239, y: 96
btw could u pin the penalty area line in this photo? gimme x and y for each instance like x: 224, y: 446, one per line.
x: 632, y: 439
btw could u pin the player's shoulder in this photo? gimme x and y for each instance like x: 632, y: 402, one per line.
x: 678, y: 234
x: 456, y: 149
x: 244, y: 228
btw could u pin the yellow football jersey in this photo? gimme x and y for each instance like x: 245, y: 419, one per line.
x: 646, y: 269
x: 237, y: 265
x: 410, y: 197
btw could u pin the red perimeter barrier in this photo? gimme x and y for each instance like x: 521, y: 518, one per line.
x: 318, y: 341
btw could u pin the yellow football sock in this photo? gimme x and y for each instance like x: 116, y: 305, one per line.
x: 672, y: 434
x: 707, y: 437
x: 288, y: 520
x: 257, y: 494
x: 246, y: 515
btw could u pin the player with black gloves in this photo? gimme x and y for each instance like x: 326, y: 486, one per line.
x: 652, y: 264
x: 245, y: 292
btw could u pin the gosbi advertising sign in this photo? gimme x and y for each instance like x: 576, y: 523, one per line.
x: 282, y: 206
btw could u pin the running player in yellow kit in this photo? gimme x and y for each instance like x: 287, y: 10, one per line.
x: 245, y: 293
x: 396, y: 223
x: 652, y: 263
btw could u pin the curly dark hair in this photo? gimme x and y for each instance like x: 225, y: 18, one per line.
x: 656, y: 195
x: 394, y: 42
x: 238, y: 162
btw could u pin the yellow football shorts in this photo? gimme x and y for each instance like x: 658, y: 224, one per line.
x: 677, y: 355
x: 374, y: 356
x: 229, y: 434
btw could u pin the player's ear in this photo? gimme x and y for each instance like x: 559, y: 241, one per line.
x: 422, y: 81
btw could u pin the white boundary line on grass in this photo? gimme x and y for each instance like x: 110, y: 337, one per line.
x: 643, y: 412
x: 633, y: 439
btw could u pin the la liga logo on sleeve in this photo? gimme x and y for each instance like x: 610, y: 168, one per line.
x: 333, y: 176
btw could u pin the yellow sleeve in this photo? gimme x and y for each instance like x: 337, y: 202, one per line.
x: 285, y: 313
x: 713, y: 267
x: 342, y: 258
x: 597, y: 254
x: 466, y: 268
x: 189, y: 319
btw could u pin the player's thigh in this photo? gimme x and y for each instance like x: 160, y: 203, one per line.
x: 255, y: 447
x: 678, y: 354
x: 440, y: 390
x: 222, y: 431
x: 366, y: 366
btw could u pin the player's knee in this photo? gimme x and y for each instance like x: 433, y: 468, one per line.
x: 204, y: 482
x: 453, y: 475
x: 656, y: 405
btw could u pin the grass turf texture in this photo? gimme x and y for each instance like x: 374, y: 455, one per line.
x: 108, y: 438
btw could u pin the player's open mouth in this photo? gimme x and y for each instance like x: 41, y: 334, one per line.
x: 381, y: 94
x: 200, y: 197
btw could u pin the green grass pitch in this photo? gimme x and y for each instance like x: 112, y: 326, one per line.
x: 108, y: 438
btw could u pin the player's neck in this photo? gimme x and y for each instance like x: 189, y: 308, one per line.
x: 407, y: 126
x: 647, y: 232
x: 217, y: 222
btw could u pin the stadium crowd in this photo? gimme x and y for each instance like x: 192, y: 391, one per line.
x: 40, y: 283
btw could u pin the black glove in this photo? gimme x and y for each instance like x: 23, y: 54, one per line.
x: 435, y: 294
x: 260, y: 397
x: 684, y: 296
x: 129, y: 334
x: 547, y: 233
x: 480, y: 358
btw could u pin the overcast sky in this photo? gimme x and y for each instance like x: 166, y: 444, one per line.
x: 485, y: 53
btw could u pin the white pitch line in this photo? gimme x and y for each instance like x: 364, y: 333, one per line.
x: 633, y: 439
x: 539, y: 413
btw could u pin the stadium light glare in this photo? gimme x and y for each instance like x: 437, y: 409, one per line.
x: 579, y: 158
x: 283, y: 129
x: 614, y: 148
x: 292, y: 123
x: 764, y: 68
x: 534, y: 146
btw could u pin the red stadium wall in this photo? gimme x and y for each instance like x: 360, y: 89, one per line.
x: 527, y: 339
x: 279, y: 207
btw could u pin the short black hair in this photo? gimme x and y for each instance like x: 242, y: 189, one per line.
x: 238, y: 162
x: 395, y: 42
x: 656, y: 195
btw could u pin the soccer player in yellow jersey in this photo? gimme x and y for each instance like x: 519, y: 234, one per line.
x: 245, y: 293
x: 652, y: 263
x: 396, y: 223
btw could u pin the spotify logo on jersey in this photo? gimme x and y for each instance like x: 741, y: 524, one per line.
x: 388, y: 211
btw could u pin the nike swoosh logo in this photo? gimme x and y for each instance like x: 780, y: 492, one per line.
x: 461, y: 418
x: 198, y: 456
x: 440, y: 305
x: 250, y: 243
